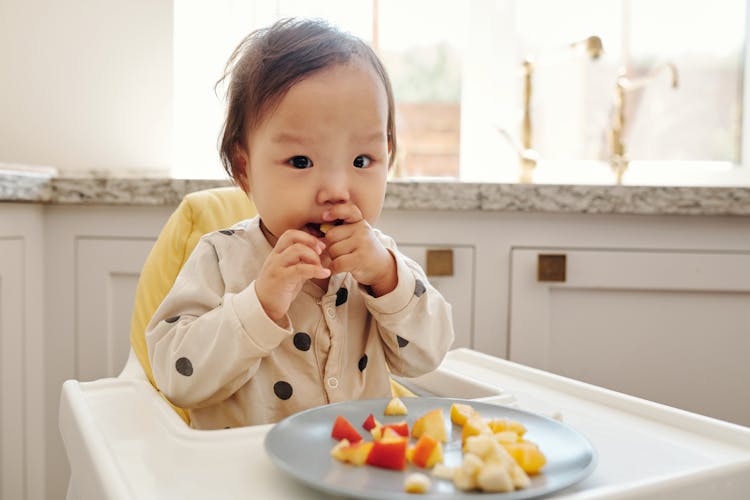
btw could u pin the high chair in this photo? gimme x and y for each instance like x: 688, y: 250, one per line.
x: 199, y: 213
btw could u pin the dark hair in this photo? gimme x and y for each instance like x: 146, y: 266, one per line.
x: 269, y: 61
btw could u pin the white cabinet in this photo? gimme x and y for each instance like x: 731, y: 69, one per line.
x: 106, y: 277
x: 669, y: 326
x: 11, y: 368
x: 93, y: 256
x: 22, y: 441
x: 456, y: 287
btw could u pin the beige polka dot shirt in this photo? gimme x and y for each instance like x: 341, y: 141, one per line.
x: 214, y: 351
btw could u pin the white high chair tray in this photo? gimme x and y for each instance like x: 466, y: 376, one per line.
x: 123, y: 441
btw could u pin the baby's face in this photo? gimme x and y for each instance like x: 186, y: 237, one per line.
x: 326, y: 143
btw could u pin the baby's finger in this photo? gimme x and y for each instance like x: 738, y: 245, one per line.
x: 342, y: 246
x: 344, y: 264
x: 309, y: 271
x: 298, y: 252
x: 295, y: 236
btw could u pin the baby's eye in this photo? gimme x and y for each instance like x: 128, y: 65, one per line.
x: 300, y: 162
x: 362, y: 161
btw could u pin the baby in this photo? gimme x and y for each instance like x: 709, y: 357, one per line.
x: 274, y: 315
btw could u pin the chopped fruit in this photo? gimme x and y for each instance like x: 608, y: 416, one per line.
x: 494, y: 477
x: 480, y: 445
x: 395, y: 407
x: 427, y: 452
x: 507, y: 437
x: 343, y: 429
x: 397, y: 429
x: 327, y: 226
x: 355, y: 454
x: 460, y: 413
x: 388, y: 453
x: 504, y: 424
x: 416, y: 483
x: 338, y: 451
x: 401, y: 428
x: 391, y: 433
x: 496, y: 458
x: 431, y: 423
x: 474, y: 426
x: 370, y: 423
x: 527, y: 455
x: 385, y: 432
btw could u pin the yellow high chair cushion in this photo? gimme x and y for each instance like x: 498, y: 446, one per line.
x: 199, y: 213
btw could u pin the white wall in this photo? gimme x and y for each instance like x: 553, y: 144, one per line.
x: 86, y: 83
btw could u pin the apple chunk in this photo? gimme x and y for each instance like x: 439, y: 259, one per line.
x: 431, y: 423
x: 388, y: 453
x: 395, y: 407
x: 343, y: 429
x: 427, y: 452
x: 355, y: 454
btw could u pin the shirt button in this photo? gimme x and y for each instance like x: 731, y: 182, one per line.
x: 333, y: 382
x: 331, y: 312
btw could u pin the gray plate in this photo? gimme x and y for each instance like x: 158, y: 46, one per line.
x: 301, y: 446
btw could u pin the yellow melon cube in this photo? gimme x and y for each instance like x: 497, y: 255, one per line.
x: 460, y: 413
x: 527, y: 455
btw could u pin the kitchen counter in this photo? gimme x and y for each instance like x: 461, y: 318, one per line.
x: 102, y: 189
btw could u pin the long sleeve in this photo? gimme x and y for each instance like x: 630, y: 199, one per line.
x: 206, y: 340
x: 414, y: 321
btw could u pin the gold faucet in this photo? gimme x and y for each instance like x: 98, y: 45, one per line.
x: 618, y: 158
x: 527, y: 156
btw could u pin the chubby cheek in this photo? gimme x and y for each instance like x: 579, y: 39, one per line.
x: 371, y: 205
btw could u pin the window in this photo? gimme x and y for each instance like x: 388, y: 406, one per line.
x: 457, y: 75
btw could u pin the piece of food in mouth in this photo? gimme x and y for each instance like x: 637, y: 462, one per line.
x: 327, y: 226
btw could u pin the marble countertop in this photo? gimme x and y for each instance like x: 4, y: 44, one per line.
x: 102, y: 189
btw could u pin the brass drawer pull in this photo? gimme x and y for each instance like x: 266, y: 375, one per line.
x: 551, y: 267
x: 440, y: 262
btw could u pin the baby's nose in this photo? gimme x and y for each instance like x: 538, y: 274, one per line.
x: 334, y: 188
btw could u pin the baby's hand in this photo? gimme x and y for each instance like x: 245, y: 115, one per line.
x: 294, y: 259
x: 354, y: 248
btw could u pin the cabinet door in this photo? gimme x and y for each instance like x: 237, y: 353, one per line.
x: 12, y: 377
x: 672, y: 327
x: 107, y: 271
x: 455, y: 287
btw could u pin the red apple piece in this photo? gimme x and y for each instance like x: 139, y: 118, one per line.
x: 343, y: 429
x: 388, y: 453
